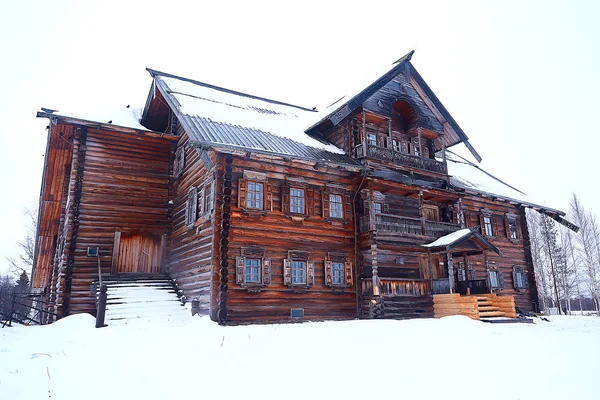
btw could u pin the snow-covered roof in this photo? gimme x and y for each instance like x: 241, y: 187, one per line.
x: 472, y: 178
x: 449, y: 238
x: 214, y: 115
x: 126, y: 117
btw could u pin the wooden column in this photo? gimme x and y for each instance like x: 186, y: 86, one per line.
x: 372, y: 217
x: 376, y: 290
x: 423, y: 227
x: 459, y: 214
x: 420, y: 146
x: 444, y: 157
x: 450, y: 272
x: 364, y: 134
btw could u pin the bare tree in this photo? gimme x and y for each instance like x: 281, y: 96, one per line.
x: 552, y: 252
x: 533, y: 222
x: 24, y: 260
x: 588, y: 246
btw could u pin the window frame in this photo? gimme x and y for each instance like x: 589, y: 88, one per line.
x: 519, y: 270
x: 372, y: 139
x: 340, y: 273
x: 377, y: 204
x: 304, y: 200
x: 297, y: 269
x: 179, y: 162
x: 290, y: 264
x: 191, y: 207
x: 340, y: 203
x: 264, y: 268
x: 488, y: 222
x: 342, y: 260
x: 253, y: 201
x: 253, y: 273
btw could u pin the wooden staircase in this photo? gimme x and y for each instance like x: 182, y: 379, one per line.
x: 487, y: 308
x: 136, y: 298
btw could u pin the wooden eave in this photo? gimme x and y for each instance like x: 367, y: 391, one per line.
x: 266, y: 155
x: 101, y: 125
x: 474, y: 236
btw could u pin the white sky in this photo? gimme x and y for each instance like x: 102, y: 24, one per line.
x: 520, y: 78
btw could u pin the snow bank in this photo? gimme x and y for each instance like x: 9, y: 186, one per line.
x: 416, y: 359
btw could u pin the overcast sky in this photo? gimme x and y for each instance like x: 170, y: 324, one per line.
x: 521, y: 78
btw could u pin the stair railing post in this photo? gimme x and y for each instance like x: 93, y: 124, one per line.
x: 102, y: 296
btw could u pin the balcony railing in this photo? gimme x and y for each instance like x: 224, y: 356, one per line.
x: 409, y: 160
x: 398, y: 287
x: 406, y: 225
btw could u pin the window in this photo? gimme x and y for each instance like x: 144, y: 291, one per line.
x: 337, y: 272
x: 461, y: 272
x: 255, y: 195
x: 488, y: 229
x: 396, y: 145
x: 404, y: 147
x: 335, y: 206
x: 209, y: 191
x: 512, y: 229
x: 298, y: 272
x: 252, y: 270
x: 378, y: 207
x: 191, y: 207
x: 372, y: 139
x: 519, y: 277
x: 297, y: 205
x: 179, y: 163
x: 494, y: 281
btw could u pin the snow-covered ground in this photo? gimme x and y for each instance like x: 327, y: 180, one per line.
x: 451, y: 358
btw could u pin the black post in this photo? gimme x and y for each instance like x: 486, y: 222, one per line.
x: 101, y: 309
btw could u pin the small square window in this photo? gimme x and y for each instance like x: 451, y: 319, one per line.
x: 253, y: 266
x: 298, y: 272
x: 297, y: 203
x: 337, y: 272
x: 336, y: 209
x: 255, y: 195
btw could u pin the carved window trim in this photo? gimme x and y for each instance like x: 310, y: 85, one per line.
x: 286, y: 199
x: 520, y: 281
x: 346, y: 211
x: 334, y: 258
x: 511, y: 225
x: 494, y: 277
x: 297, y: 256
x: 253, y: 253
x: 252, y: 177
x: 488, y: 229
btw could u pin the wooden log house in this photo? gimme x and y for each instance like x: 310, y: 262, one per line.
x: 264, y: 211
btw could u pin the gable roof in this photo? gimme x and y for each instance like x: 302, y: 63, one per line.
x: 455, y: 239
x: 215, y: 116
x: 402, y: 69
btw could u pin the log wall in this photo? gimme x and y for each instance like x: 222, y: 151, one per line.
x: 123, y: 179
x: 278, y: 234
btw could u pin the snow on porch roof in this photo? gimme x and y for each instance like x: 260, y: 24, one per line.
x: 219, y: 116
x: 456, y: 238
x: 126, y: 117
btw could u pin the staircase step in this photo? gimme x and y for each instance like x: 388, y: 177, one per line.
x: 488, y: 308
x: 484, y: 303
x: 481, y: 298
x: 486, y: 314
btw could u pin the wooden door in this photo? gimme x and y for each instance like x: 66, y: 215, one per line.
x: 431, y: 213
x: 137, y: 252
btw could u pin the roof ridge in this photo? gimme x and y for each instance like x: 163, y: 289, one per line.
x: 154, y: 73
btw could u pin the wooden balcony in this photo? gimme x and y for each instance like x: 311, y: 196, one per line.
x: 398, y: 287
x: 409, y: 160
x: 390, y: 223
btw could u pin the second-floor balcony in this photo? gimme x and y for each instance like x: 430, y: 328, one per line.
x: 391, y: 223
x: 409, y: 160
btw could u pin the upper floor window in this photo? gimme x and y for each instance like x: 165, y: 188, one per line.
x: 191, y: 207
x: 396, y: 145
x: 179, y: 164
x: 512, y: 229
x: 378, y: 207
x: 336, y: 209
x: 253, y: 270
x: 255, y: 195
x: 297, y: 203
x: 372, y: 139
x: 488, y: 228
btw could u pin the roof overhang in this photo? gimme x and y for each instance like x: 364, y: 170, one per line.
x: 454, y: 241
